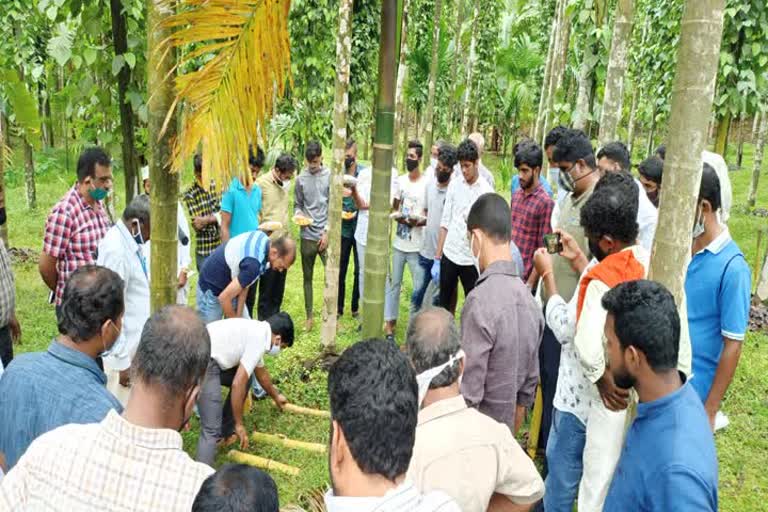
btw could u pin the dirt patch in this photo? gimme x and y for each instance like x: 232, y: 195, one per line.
x: 21, y: 255
x: 758, y: 317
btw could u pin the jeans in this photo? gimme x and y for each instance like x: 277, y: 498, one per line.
x: 348, y: 248
x: 426, y: 289
x: 216, y: 419
x: 361, y: 260
x: 450, y: 275
x: 565, y: 451
x: 271, y: 292
x: 209, y: 308
x: 6, y: 346
x: 309, y: 253
x: 392, y: 299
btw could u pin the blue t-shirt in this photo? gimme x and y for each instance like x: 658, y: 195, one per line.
x: 242, y: 206
x: 542, y: 180
x: 244, y: 257
x: 718, y: 288
x: 668, y: 462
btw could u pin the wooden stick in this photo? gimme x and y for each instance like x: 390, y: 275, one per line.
x: 262, y: 463
x: 306, y: 410
x: 281, y: 440
x: 757, y: 269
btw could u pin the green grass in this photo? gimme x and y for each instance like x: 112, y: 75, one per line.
x: 742, y: 448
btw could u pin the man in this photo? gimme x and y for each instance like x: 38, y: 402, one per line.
x: 650, y: 171
x: 234, y: 267
x: 311, y: 200
x: 348, y: 227
x: 531, y: 206
x: 501, y: 325
x: 76, y: 223
x: 718, y: 287
x: 550, y: 141
x: 44, y: 390
x: 255, y: 161
x: 238, y: 346
x: 203, y: 206
x: 123, y: 250
x: 237, y: 488
x: 373, y: 394
x: 453, y: 259
x: 485, y: 173
x: 275, y: 187
x: 10, y: 329
x: 590, y: 410
x: 458, y: 450
x: 671, y: 422
x: 434, y: 200
x: 516, y: 178
x: 614, y: 157
x: 131, y: 462
x: 410, y: 207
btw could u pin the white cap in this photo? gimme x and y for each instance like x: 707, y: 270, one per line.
x: 145, y: 173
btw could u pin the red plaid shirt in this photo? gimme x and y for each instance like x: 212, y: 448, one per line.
x: 531, y: 220
x: 72, y: 234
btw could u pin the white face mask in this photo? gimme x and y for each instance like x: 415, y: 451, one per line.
x: 424, y: 379
x: 698, y: 226
x: 433, y: 162
x: 274, y: 350
x: 475, y: 259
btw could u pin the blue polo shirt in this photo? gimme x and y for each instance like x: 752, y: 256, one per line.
x: 718, y: 288
x: 668, y: 462
x: 244, y: 257
x: 244, y: 207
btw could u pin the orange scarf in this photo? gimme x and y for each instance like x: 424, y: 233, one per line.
x: 615, y: 269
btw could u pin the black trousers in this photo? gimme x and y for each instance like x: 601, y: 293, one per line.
x: 549, y: 365
x: 271, y: 293
x: 450, y: 274
x: 6, y: 346
x: 348, y: 247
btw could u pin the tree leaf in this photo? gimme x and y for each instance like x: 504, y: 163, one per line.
x: 130, y: 59
x: 117, y: 64
x: 24, y: 105
x: 89, y: 54
x: 60, y: 45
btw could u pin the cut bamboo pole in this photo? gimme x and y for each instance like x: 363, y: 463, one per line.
x: 296, y: 409
x: 281, y: 440
x: 262, y: 463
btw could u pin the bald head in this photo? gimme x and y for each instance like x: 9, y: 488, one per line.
x: 431, y: 340
x: 479, y: 141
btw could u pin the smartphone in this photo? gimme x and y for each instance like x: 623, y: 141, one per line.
x: 553, y: 243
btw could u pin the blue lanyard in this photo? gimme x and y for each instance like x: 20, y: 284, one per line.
x: 139, y: 254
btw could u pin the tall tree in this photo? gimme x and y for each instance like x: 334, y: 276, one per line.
x: 557, y: 72
x: 758, y: 164
x: 3, y: 212
x: 340, y: 109
x: 693, y: 92
x: 617, y: 68
x: 401, y: 113
x: 553, y: 31
x: 466, y: 119
x: 29, y: 175
x: 429, y: 114
x: 377, y: 248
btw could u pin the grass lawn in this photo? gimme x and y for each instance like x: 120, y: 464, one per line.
x: 742, y: 447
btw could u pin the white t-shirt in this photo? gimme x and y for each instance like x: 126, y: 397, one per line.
x: 458, y: 201
x: 407, y: 238
x: 364, y: 189
x: 237, y: 341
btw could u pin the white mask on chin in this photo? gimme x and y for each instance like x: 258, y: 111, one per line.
x: 424, y: 379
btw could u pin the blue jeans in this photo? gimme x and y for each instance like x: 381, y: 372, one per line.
x: 392, y: 300
x: 420, y: 289
x: 565, y: 451
x: 209, y: 308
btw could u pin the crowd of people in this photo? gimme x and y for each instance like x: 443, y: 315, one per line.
x: 556, y: 302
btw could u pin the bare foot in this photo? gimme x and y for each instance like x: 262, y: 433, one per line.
x: 308, y: 324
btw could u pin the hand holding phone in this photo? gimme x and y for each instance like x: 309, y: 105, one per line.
x: 553, y: 243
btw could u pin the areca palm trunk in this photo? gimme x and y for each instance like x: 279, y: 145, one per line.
x: 617, y: 68
x: 429, y: 114
x: 558, y: 66
x: 539, y: 128
x: 466, y: 119
x: 377, y: 247
x: 401, y: 115
x: 3, y: 213
x: 165, y: 183
x: 341, y: 107
x: 758, y: 163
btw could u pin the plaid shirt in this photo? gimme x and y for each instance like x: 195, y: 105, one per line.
x: 72, y: 234
x: 201, y: 203
x: 531, y: 220
x: 7, y: 287
x: 112, y: 465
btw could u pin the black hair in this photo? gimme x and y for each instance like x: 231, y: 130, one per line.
x: 431, y: 340
x: 197, y: 161
x: 283, y: 245
x: 282, y: 324
x: 554, y: 135
x: 350, y: 142
x: 89, y: 158
x: 651, y: 169
x: 446, y: 154
x: 286, y: 162
x: 256, y: 160
x: 636, y: 305
x: 611, y: 210
x: 572, y: 146
x: 313, y: 150
x: 490, y: 214
x: 467, y: 151
x: 617, y: 152
x: 92, y: 295
x: 237, y: 488
x: 710, y: 187
x: 418, y: 146
x: 138, y: 208
x: 173, y: 352
x: 529, y: 153
x: 661, y: 152
x: 373, y: 394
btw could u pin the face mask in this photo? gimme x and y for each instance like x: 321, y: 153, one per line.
x: 107, y: 351
x: 274, y: 350
x: 411, y: 164
x: 564, y: 181
x: 475, y: 259
x: 349, y: 162
x: 597, y: 252
x: 653, y: 197
x: 698, y: 226
x: 443, y: 177
x: 433, y: 162
x: 137, y: 237
x: 424, y: 379
x: 98, y: 194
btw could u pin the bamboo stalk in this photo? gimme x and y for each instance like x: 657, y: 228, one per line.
x: 262, y: 463
x: 281, y: 440
x: 296, y: 409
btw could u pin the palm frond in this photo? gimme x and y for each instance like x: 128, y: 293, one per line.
x: 227, y: 102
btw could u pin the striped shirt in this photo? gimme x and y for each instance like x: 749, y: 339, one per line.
x: 244, y: 257
x: 404, y: 498
x: 201, y: 203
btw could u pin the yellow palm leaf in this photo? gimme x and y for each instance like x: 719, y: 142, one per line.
x: 226, y: 103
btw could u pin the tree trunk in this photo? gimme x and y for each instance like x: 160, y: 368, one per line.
x: 402, y: 76
x: 758, y: 163
x: 558, y: 67
x: 617, y: 68
x: 165, y: 183
x: 429, y: 114
x: 652, y: 134
x: 581, y: 113
x: 632, y: 122
x: 721, y: 139
x: 341, y: 107
x: 406, y: 120
x: 377, y: 248
x: 3, y: 212
x: 740, y: 153
x: 697, y: 59
x: 130, y: 159
x: 468, y: 107
x: 29, y: 175
x: 539, y: 127
x: 452, y: 101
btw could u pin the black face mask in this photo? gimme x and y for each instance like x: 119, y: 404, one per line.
x: 411, y: 164
x: 349, y: 162
x: 597, y: 252
x: 443, y: 177
x: 653, y: 197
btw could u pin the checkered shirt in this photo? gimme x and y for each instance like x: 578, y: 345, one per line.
x: 200, y: 203
x: 112, y: 465
x: 7, y: 287
x: 531, y: 220
x: 72, y: 234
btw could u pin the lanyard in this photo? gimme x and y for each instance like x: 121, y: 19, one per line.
x: 139, y: 254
